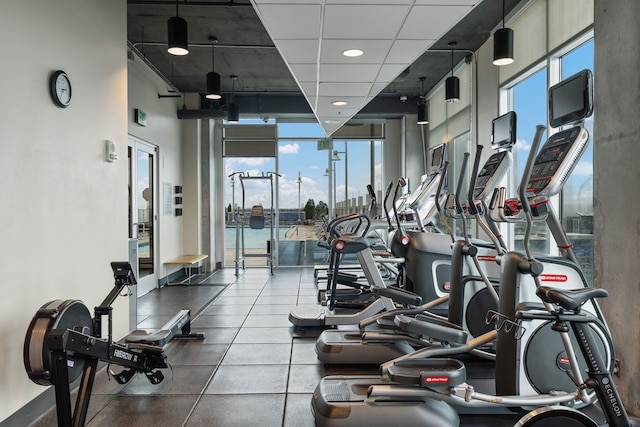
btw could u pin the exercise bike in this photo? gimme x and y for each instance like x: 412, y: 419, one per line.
x: 63, y: 342
x: 569, y: 316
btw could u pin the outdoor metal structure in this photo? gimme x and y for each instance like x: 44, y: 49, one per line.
x: 255, y: 219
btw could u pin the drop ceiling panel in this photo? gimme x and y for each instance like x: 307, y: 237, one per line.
x: 343, y: 89
x: 291, y: 21
x: 304, y: 72
x: 363, y: 22
x: 389, y: 72
x: 392, y: 34
x: 431, y: 22
x: 407, y: 51
x: 374, y: 51
x: 304, y: 51
x: 348, y: 72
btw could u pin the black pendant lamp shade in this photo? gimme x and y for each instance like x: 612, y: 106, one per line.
x: 423, y: 118
x: 213, y: 78
x: 178, y: 39
x: 503, y: 44
x: 213, y: 85
x: 452, y: 84
x: 233, y: 113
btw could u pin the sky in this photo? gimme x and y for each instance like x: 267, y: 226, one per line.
x: 530, y: 104
x: 299, y: 155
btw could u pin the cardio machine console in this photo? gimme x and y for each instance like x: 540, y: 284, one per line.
x: 427, y: 189
x: 491, y: 174
x: 556, y: 160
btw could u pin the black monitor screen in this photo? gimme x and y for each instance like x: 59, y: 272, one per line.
x: 571, y: 100
x: 503, y: 131
x: 437, y: 157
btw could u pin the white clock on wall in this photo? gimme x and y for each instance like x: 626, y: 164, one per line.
x: 60, y: 88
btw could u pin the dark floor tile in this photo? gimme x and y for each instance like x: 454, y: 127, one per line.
x: 242, y: 379
x: 185, y: 353
x: 144, y: 411
x: 258, y: 354
x: 239, y: 292
x: 217, y: 335
x: 179, y: 379
x: 282, y: 309
x: 234, y: 300
x: 267, y: 321
x: 214, y: 310
x: 304, y: 378
x: 298, y: 411
x: 238, y: 411
x: 277, y: 299
x: 96, y: 404
x: 264, y: 336
x: 307, y: 299
x: 275, y: 291
x: 219, y: 321
x: 304, y: 352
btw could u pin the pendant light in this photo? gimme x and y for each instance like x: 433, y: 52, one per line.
x: 503, y: 44
x: 178, y: 43
x: 233, y: 111
x: 452, y: 84
x: 213, y: 78
x: 423, y: 118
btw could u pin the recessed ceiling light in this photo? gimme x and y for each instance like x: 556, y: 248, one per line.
x: 339, y: 103
x: 352, y: 52
x: 332, y: 122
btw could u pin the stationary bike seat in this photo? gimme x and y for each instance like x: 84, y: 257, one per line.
x: 570, y: 299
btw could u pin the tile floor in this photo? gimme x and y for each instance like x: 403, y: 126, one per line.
x: 251, y: 369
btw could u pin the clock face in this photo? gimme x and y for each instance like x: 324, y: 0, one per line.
x: 61, y: 89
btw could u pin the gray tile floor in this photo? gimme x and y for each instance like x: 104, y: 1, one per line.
x: 251, y: 369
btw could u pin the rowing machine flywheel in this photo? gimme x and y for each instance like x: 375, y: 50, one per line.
x: 57, y: 314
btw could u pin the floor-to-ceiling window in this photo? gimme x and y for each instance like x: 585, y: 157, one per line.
x: 528, y: 98
x: 577, y: 197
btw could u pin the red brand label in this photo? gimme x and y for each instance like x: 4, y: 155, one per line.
x: 553, y: 277
x: 440, y: 380
x: 490, y: 258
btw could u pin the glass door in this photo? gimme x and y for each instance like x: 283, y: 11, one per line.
x: 143, y: 211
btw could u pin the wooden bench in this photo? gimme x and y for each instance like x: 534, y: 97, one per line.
x: 188, y: 261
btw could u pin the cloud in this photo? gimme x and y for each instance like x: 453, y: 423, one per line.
x: 583, y: 168
x: 522, y: 144
x: 289, y: 149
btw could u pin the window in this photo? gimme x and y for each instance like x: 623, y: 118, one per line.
x: 530, y: 104
x: 577, y: 196
x: 529, y: 100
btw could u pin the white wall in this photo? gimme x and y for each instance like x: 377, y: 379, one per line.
x: 64, y: 211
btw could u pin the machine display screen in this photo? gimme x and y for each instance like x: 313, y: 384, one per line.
x: 571, y: 100
x: 503, y: 132
x: 437, y: 157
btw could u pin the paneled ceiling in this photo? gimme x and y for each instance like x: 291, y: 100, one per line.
x: 287, y: 54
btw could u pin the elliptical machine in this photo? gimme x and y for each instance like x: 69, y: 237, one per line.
x: 410, y: 386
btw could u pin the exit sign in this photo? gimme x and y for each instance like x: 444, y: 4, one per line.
x: 324, y: 144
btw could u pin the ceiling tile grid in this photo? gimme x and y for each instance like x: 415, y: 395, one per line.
x: 312, y: 35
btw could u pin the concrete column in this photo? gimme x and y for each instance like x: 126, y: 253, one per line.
x: 191, y: 187
x: 617, y: 183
